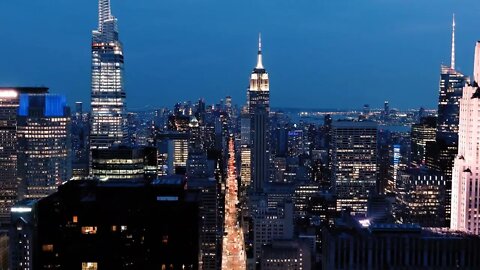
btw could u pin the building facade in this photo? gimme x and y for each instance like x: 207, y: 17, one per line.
x: 465, y: 203
x: 126, y: 163
x: 9, y: 184
x: 421, y: 197
x: 421, y: 134
x: 349, y: 245
x: 354, y: 163
x: 44, y: 157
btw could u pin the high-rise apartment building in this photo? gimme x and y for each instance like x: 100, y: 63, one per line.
x: 258, y: 104
x: 465, y: 203
x: 354, y: 163
x: 44, y: 156
x: 108, y: 95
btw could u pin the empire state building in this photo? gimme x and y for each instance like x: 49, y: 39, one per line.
x: 258, y: 106
x: 108, y: 95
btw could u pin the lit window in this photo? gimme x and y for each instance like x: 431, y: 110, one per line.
x: 75, y: 219
x: 47, y: 248
x: 89, y: 266
x: 114, y: 228
x: 89, y: 230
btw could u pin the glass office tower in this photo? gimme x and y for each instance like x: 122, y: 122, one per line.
x: 108, y: 96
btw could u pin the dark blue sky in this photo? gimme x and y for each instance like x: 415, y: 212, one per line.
x: 319, y: 53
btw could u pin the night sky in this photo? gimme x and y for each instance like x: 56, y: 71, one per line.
x: 319, y: 53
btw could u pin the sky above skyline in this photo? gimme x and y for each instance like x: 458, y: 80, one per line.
x: 320, y: 54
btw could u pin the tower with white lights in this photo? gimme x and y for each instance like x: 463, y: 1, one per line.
x: 108, y: 95
x: 258, y: 106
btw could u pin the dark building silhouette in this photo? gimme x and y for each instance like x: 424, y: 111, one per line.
x: 89, y: 224
x: 350, y: 244
x: 421, y: 134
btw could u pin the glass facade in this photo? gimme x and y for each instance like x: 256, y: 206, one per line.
x: 354, y: 163
x: 44, y: 144
x: 108, y: 117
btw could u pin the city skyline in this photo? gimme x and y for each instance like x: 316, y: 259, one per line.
x: 315, y: 174
x: 307, y: 42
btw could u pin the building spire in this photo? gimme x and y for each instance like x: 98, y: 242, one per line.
x: 104, y: 12
x: 259, y: 57
x: 452, y: 62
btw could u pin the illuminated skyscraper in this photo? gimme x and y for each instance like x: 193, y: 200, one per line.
x: 465, y: 204
x: 108, y: 95
x: 354, y: 163
x: 258, y: 103
x: 44, y: 156
x: 451, y: 88
x: 441, y: 154
x: 9, y: 102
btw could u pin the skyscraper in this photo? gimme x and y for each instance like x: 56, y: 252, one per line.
x: 44, y: 146
x: 451, y: 88
x: 465, y: 204
x: 422, y: 133
x: 441, y: 153
x: 9, y: 102
x: 258, y: 104
x: 354, y: 163
x: 108, y: 95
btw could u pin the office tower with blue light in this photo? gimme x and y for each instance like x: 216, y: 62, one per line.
x: 108, y: 119
x: 44, y: 156
x: 9, y: 102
